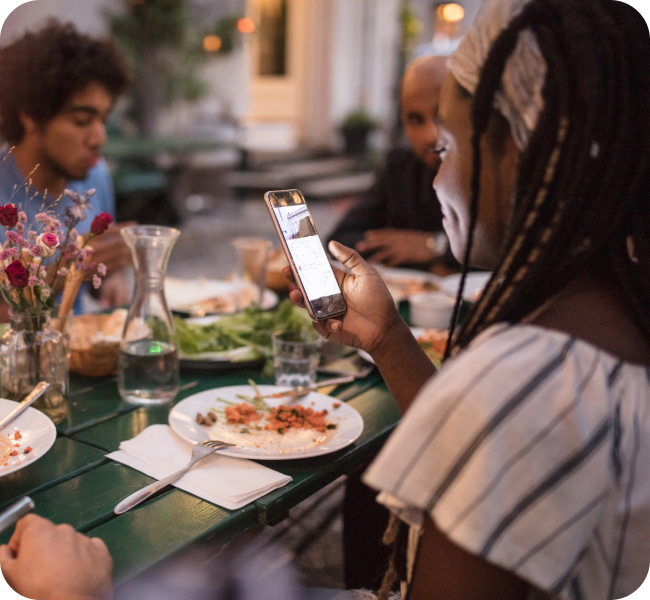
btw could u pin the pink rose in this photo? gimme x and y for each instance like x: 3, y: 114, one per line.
x: 100, y: 223
x: 17, y: 274
x: 47, y: 243
x: 8, y: 215
x: 50, y: 240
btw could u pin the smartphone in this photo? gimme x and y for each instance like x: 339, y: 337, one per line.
x: 306, y: 255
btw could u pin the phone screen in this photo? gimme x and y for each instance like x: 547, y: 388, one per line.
x: 307, y: 253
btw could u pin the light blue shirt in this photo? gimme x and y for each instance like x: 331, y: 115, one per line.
x: 13, y: 188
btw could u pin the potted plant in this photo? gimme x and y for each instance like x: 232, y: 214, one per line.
x: 356, y: 127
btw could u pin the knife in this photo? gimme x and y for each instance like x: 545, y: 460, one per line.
x: 35, y: 394
x: 15, y: 512
x: 303, y: 390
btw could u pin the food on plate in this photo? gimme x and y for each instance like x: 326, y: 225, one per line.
x: 5, y: 448
x: 283, y: 417
x: 434, y: 342
x: 203, y: 297
x: 265, y: 418
x: 402, y: 288
x: 253, y: 423
x: 9, y: 447
x: 241, y: 337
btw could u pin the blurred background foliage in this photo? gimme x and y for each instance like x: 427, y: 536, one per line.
x: 167, y: 49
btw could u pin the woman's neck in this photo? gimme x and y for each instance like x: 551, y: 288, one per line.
x: 593, y: 308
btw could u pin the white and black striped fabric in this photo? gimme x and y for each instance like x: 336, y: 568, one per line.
x: 532, y: 450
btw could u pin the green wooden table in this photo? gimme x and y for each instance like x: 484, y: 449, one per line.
x: 74, y: 482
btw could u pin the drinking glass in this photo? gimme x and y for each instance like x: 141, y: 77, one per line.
x: 295, y: 357
x: 148, y: 367
x: 251, y: 260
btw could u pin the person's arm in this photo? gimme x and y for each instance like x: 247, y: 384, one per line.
x: 373, y: 324
x: 368, y: 213
x: 444, y: 570
x: 44, y: 561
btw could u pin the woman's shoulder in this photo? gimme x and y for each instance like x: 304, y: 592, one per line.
x: 534, y: 369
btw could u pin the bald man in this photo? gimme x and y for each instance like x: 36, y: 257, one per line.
x: 399, y: 222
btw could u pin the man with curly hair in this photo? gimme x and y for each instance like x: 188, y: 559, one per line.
x: 58, y: 89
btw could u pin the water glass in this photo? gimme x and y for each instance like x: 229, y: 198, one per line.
x: 250, y: 267
x: 295, y: 357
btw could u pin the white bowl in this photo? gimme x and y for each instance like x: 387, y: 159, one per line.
x: 431, y: 309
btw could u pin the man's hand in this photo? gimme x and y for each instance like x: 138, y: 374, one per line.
x: 110, y: 248
x: 394, y: 247
x: 114, y: 291
x: 44, y: 561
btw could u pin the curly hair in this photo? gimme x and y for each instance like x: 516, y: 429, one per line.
x: 41, y: 70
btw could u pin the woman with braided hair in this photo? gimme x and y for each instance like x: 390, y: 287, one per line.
x: 523, y: 467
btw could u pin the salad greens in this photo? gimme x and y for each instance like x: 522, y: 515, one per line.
x: 241, y: 337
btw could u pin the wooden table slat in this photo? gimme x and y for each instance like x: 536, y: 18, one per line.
x: 165, y: 525
x: 65, y: 459
x: 110, y: 432
x: 380, y: 415
x: 93, y: 405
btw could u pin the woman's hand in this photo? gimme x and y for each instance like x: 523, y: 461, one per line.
x: 371, y: 310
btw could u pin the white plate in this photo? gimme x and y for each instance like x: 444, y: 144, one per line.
x: 474, y: 284
x: 403, y: 283
x: 416, y: 331
x: 184, y: 295
x: 37, y: 431
x: 270, y: 446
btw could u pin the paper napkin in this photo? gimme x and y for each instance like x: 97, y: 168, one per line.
x: 229, y: 482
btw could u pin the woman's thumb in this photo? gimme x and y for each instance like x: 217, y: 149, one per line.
x: 350, y: 258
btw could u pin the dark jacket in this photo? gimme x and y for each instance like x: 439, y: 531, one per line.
x: 402, y: 198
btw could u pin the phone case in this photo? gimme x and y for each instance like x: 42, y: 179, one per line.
x: 287, y: 253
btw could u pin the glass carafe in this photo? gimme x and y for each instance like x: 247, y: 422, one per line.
x: 148, y: 371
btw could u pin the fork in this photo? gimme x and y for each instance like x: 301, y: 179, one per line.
x: 360, y: 373
x: 199, y: 452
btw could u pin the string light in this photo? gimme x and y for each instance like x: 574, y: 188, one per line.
x: 212, y: 43
x: 246, y: 25
x: 452, y: 13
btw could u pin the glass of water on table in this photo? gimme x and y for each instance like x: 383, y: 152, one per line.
x: 295, y: 357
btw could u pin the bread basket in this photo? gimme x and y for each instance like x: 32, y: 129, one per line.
x: 87, y: 357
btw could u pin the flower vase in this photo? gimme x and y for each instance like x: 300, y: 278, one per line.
x: 32, y: 350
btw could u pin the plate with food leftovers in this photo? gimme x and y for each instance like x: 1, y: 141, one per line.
x: 404, y: 283
x: 474, y: 284
x: 25, y: 439
x: 432, y: 341
x: 200, y: 297
x: 265, y: 425
x: 242, y: 340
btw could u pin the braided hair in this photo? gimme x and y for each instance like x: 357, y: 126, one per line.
x: 582, y: 185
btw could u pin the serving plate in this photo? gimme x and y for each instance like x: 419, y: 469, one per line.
x: 194, y: 296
